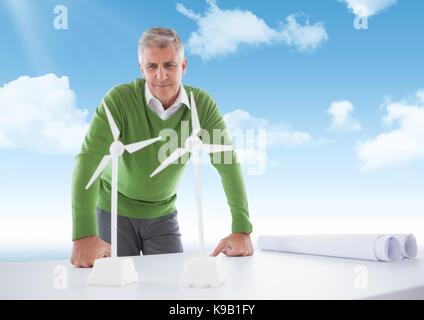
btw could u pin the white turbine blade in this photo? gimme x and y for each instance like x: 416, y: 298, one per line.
x: 194, y: 116
x: 133, y: 147
x: 212, y: 148
x: 99, y: 170
x: 179, y: 152
x: 112, y: 124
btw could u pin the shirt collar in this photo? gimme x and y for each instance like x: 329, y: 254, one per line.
x: 181, y: 98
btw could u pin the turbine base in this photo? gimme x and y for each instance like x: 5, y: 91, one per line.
x: 202, y: 272
x: 112, y: 272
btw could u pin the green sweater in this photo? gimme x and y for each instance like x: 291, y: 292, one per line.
x: 139, y: 195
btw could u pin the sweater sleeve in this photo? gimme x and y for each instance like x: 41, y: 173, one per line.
x: 95, y: 145
x: 225, y: 163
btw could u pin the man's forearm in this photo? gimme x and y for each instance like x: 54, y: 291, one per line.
x: 83, y: 201
x: 233, y: 184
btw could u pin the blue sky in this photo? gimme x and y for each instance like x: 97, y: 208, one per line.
x: 358, y: 169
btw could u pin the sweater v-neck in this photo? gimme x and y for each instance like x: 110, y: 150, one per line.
x: 170, y: 122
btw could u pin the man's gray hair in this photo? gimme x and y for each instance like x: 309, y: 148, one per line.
x: 159, y: 38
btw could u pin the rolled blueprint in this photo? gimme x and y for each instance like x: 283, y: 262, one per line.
x: 377, y: 247
x: 408, y: 244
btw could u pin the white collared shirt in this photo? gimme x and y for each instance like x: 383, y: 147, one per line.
x: 156, y: 106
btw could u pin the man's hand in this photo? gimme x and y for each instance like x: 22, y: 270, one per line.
x: 236, y: 244
x: 88, y: 249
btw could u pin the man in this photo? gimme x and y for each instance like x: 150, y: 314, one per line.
x: 147, y: 217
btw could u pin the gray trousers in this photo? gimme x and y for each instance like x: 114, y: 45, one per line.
x: 150, y: 236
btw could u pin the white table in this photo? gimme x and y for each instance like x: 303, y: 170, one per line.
x: 265, y: 275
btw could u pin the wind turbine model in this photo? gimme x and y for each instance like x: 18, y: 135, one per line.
x: 201, y: 271
x: 114, y: 271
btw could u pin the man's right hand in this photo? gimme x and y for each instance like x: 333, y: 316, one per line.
x: 86, y: 250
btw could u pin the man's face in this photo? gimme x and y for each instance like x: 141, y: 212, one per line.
x: 163, y: 70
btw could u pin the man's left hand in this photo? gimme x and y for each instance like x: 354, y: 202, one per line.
x: 236, y: 244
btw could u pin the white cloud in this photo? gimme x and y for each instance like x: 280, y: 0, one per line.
x: 276, y: 135
x: 303, y: 37
x: 252, y: 137
x: 401, y: 145
x: 366, y: 8
x: 5, y: 142
x: 341, y: 118
x: 420, y: 95
x: 39, y: 114
x: 221, y: 32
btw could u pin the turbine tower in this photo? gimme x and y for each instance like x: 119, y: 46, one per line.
x: 114, y: 270
x: 203, y: 271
